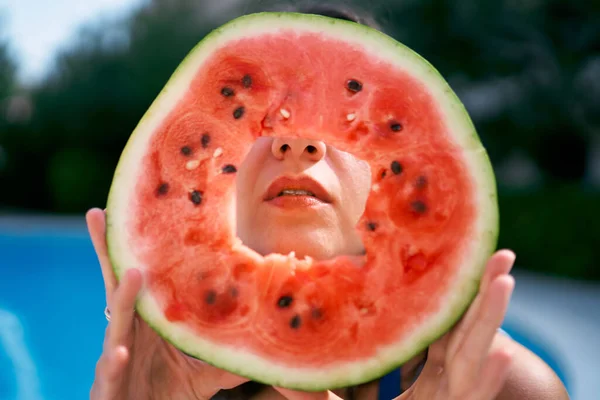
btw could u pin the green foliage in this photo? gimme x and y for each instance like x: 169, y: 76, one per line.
x: 554, y: 231
x: 526, y: 70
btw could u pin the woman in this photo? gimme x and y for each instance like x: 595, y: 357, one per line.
x: 474, y: 361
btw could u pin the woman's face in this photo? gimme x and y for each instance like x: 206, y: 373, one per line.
x: 301, y: 195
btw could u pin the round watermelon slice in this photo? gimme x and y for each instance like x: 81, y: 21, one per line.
x: 430, y: 223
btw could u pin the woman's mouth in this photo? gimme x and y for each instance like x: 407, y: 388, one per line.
x: 296, y: 192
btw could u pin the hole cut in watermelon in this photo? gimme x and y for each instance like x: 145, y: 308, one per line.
x: 423, y: 229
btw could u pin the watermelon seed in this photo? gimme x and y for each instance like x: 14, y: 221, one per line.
x: 227, y: 91
x: 383, y: 174
x: 238, y: 112
x: 163, y: 188
x: 211, y: 297
x: 196, y: 197
x: 354, y: 86
x: 421, y: 182
x: 218, y: 152
x: 285, y: 301
x: 186, y: 150
x: 205, y: 140
x: 396, y: 126
x: 193, y: 164
x: 418, y: 206
x: 396, y: 167
x: 229, y: 169
x: 285, y: 113
x: 317, y: 313
x: 247, y: 81
x: 351, y: 117
x: 295, y: 322
x: 234, y: 292
x: 372, y: 226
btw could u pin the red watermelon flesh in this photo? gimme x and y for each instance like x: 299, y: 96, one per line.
x: 428, y: 227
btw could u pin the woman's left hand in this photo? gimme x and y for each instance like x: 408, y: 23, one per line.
x: 462, y: 364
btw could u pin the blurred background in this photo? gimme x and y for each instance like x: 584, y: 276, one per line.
x: 76, y: 77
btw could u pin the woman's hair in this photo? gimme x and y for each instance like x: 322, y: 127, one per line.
x: 332, y: 10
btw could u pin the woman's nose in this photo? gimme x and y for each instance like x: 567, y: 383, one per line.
x: 299, y: 149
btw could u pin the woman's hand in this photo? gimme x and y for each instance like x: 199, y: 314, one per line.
x: 136, y: 363
x: 463, y: 365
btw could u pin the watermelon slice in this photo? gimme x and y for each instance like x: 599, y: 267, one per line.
x: 430, y: 223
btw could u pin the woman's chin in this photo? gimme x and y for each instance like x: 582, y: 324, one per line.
x: 317, y: 245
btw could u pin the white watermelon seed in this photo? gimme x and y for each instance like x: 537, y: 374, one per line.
x: 218, y: 152
x: 351, y: 117
x: 191, y: 165
x: 285, y: 113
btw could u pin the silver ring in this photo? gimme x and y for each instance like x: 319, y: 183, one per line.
x: 107, y: 313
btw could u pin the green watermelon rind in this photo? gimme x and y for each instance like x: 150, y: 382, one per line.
x: 254, y: 368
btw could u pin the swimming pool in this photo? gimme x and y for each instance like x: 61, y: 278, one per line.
x: 51, y: 311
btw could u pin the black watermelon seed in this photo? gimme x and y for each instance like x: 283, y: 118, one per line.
x: 372, y: 226
x: 383, y: 174
x: 196, y: 197
x: 396, y: 167
x: 247, y: 81
x: 227, y: 91
x: 186, y: 150
x: 396, y: 126
x: 210, y: 297
x: 285, y: 301
x: 354, y: 85
x: 418, y: 206
x: 234, y: 292
x: 421, y: 182
x: 205, y: 140
x: 163, y: 188
x: 317, y: 313
x: 295, y: 322
x: 229, y: 169
x: 238, y: 112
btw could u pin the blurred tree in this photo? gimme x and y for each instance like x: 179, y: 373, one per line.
x: 7, y: 66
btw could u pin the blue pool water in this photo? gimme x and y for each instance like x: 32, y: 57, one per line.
x: 51, y: 314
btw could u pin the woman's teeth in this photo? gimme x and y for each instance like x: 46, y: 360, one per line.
x: 295, y: 192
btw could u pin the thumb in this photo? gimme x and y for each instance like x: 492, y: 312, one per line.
x: 295, y: 395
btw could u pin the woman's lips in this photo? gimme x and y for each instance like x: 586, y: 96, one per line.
x: 296, y: 191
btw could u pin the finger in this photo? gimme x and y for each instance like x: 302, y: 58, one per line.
x: 123, y: 308
x: 499, y: 264
x: 109, y: 373
x: 96, y: 223
x: 493, y: 375
x: 467, y: 362
x: 295, y: 395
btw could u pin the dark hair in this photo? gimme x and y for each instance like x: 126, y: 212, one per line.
x: 346, y: 13
x: 343, y: 12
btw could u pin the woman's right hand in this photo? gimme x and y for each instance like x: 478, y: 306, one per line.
x: 136, y: 363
